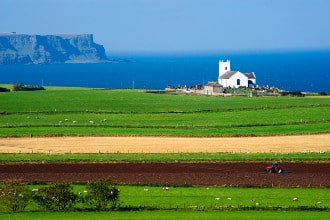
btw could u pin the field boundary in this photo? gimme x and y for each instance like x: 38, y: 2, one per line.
x: 143, y: 144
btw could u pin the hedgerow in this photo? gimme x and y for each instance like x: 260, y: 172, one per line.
x: 22, y: 87
x: 100, y: 195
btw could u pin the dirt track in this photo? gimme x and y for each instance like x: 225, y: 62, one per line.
x: 303, y: 143
x: 230, y: 174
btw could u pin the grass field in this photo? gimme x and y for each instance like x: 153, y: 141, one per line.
x: 170, y: 215
x: 61, y: 111
x: 208, y: 198
x: 215, y: 198
x: 135, y: 112
x: 163, y: 157
x: 153, y: 202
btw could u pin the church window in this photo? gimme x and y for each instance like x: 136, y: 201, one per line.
x: 238, y: 82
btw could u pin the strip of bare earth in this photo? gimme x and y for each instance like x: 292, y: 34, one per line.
x: 269, y: 144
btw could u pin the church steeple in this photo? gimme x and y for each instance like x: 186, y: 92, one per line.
x: 224, y: 66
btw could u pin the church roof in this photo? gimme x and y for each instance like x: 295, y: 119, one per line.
x: 229, y: 74
x: 250, y: 75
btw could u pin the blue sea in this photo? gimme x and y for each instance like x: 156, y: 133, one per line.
x: 289, y: 70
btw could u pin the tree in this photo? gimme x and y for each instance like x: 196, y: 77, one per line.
x: 14, y: 196
x: 102, y: 194
x: 57, y: 196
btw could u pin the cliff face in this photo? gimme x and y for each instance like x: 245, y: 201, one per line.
x: 46, y: 49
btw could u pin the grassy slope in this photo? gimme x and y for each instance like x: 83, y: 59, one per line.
x: 129, y: 112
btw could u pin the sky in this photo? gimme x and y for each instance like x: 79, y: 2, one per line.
x: 176, y: 25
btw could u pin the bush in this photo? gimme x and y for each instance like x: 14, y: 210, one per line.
x: 102, y: 194
x: 22, y: 87
x: 292, y: 93
x: 57, y: 196
x: 4, y: 89
x: 14, y: 196
x: 324, y: 93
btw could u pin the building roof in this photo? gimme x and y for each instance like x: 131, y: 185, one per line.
x: 250, y: 75
x: 213, y: 84
x: 229, y: 74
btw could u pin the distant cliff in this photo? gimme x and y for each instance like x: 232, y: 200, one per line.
x: 47, y: 49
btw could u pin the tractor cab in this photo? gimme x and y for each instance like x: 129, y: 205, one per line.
x: 274, y: 168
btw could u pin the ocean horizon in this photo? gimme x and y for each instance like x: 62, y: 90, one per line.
x: 292, y: 70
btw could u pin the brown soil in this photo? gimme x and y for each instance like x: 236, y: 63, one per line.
x: 230, y: 174
x: 303, y: 143
x: 241, y: 174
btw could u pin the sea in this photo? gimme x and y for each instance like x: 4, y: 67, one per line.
x: 292, y: 70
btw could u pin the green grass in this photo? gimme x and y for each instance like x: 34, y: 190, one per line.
x: 207, y: 198
x: 135, y: 112
x: 169, y: 215
x: 150, y: 202
x: 223, y: 198
x: 166, y: 157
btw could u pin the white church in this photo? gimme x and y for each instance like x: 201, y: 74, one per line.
x: 234, y: 79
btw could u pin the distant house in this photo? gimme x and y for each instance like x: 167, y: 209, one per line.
x: 234, y: 79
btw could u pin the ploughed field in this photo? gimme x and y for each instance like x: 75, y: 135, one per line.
x: 217, y: 173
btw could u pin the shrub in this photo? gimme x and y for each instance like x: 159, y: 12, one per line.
x: 292, y: 93
x: 57, y: 196
x: 4, y: 89
x: 22, y: 87
x: 102, y: 194
x: 324, y: 93
x: 14, y: 196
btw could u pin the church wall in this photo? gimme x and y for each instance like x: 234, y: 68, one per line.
x: 232, y: 81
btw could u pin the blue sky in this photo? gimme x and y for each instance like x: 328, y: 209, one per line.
x: 176, y: 25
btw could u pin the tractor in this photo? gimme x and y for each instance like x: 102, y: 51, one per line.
x: 274, y: 168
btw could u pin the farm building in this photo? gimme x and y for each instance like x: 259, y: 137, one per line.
x: 234, y: 79
x: 213, y: 88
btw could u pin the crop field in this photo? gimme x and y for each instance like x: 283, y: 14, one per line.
x: 194, y: 145
x: 252, y: 174
x: 129, y: 112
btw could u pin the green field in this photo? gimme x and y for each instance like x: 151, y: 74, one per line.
x: 152, y: 202
x: 170, y: 215
x: 164, y: 157
x: 209, y: 198
x: 57, y: 112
